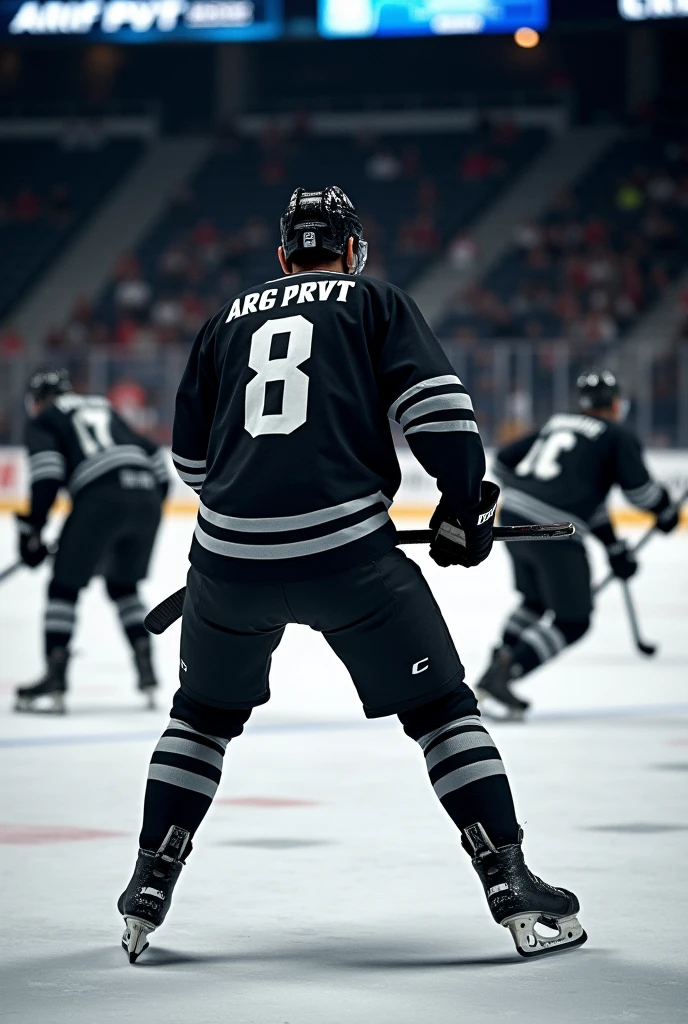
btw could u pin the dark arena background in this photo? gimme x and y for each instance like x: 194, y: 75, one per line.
x: 521, y: 170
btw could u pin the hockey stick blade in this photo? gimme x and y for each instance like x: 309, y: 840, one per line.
x: 649, y: 650
x: 165, y: 613
x: 168, y: 611
x: 510, y: 534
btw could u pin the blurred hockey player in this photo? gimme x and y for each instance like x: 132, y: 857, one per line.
x: 565, y: 472
x: 282, y: 427
x: 117, y: 481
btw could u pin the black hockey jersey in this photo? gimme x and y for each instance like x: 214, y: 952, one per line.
x: 566, y: 470
x: 79, y: 439
x: 281, y: 425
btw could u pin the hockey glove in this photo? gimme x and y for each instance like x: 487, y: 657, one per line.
x: 621, y: 561
x: 667, y: 514
x: 466, y: 544
x: 32, y: 550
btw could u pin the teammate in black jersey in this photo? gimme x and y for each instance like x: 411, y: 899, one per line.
x: 565, y: 472
x: 117, y: 481
x: 282, y: 427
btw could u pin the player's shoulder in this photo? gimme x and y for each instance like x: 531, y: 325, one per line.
x: 65, y: 404
x: 622, y: 434
x: 592, y: 427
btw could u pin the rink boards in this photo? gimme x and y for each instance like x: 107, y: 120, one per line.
x: 417, y: 495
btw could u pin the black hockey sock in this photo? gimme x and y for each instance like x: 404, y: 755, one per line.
x: 527, y: 615
x: 185, y: 770
x: 130, y: 610
x: 542, y: 642
x: 465, y: 768
x: 60, y: 616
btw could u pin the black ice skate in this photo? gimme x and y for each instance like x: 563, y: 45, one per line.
x: 146, y: 900
x: 53, y: 686
x: 147, y: 681
x: 495, y: 685
x: 519, y: 900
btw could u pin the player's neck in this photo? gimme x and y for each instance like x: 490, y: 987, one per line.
x: 336, y: 267
x: 604, y: 414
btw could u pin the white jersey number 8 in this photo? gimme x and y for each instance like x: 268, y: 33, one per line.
x: 295, y: 381
x: 543, y: 458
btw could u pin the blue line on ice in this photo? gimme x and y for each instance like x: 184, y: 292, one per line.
x: 150, y: 734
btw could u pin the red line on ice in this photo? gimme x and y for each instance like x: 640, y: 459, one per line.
x: 39, y: 834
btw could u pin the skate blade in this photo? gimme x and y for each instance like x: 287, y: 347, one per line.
x: 530, y: 942
x: 488, y: 704
x: 135, y: 938
x: 27, y: 705
x: 148, y: 694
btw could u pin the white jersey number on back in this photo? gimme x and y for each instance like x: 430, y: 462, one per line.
x: 542, y: 459
x: 285, y: 370
x: 92, y: 426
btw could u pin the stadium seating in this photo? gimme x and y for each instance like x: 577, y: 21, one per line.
x: 602, y: 254
x: 414, y: 192
x: 47, y: 188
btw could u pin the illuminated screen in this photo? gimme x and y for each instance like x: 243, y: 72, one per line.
x: 351, y: 18
x: 142, y: 21
x: 645, y: 10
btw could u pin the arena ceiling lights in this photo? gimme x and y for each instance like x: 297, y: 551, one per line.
x: 338, y: 19
x: 143, y: 21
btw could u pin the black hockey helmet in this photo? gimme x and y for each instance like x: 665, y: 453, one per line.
x: 325, y: 221
x: 48, y: 384
x: 597, y: 390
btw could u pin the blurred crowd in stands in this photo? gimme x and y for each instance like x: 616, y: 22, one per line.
x: 413, y: 193
x: 582, y: 274
x: 602, y: 254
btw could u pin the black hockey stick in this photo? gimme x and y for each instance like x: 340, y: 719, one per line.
x: 169, y: 610
x: 639, y: 546
x: 510, y: 534
x: 10, y: 570
x: 647, y: 649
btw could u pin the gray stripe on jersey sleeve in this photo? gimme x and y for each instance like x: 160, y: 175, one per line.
x: 297, y: 549
x: 191, y: 478
x: 445, y: 426
x: 189, y: 463
x: 646, y: 496
x: 431, y: 382
x: 435, y: 404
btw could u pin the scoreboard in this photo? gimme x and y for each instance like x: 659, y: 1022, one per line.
x: 361, y: 18
x: 142, y: 21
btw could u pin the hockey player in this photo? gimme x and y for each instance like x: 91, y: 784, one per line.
x: 117, y: 481
x: 281, y: 426
x: 565, y: 472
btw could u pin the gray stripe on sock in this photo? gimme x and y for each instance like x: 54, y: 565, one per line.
x: 176, y: 723
x: 176, y: 745
x: 469, y: 773
x: 182, y: 779
x: 457, y: 745
x: 430, y: 736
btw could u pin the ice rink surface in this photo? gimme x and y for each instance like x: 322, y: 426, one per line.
x: 327, y: 886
